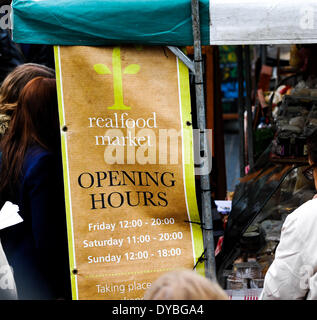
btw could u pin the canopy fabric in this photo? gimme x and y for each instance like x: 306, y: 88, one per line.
x: 163, y: 22
x: 107, y: 22
x: 263, y: 22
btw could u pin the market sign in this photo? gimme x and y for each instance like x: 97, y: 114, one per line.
x: 128, y: 168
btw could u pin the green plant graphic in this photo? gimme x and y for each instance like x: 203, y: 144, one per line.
x: 117, y: 77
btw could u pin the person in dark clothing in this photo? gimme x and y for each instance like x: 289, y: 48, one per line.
x: 13, y: 54
x: 10, y: 54
x: 31, y: 177
x: 38, y: 53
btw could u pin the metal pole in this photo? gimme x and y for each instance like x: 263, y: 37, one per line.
x: 249, y: 106
x: 263, y: 54
x: 241, y: 110
x: 210, y: 269
x: 183, y: 57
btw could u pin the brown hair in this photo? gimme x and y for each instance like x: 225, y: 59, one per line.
x: 34, y: 122
x: 184, y: 285
x: 16, y: 80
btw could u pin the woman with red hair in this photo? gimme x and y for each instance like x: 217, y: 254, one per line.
x: 31, y: 177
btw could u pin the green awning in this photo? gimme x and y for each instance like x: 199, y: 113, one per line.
x: 107, y: 22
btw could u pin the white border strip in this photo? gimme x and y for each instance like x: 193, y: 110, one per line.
x: 183, y: 156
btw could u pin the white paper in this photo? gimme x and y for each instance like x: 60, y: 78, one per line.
x: 9, y: 215
x: 223, y: 205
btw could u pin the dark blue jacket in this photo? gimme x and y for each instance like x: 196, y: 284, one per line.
x: 37, y: 247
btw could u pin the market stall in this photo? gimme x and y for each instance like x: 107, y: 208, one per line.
x: 285, y: 112
x: 283, y: 116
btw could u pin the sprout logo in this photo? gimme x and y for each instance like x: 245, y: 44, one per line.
x: 117, y: 77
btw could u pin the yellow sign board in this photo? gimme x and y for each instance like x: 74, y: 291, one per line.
x: 128, y: 168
